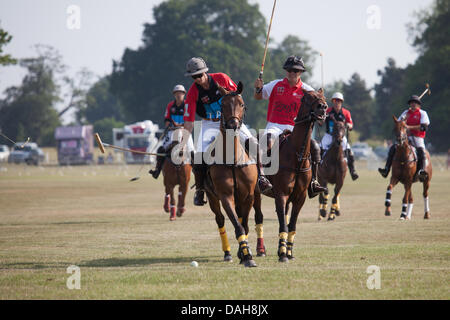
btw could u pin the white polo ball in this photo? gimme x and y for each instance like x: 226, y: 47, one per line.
x: 194, y: 264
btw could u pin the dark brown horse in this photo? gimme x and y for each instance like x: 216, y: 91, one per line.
x: 232, y: 184
x: 404, y: 168
x: 290, y: 183
x: 333, y: 169
x: 178, y: 173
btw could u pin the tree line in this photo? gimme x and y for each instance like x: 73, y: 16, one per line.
x: 230, y: 37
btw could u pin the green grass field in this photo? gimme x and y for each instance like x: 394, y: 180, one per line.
x: 117, y: 233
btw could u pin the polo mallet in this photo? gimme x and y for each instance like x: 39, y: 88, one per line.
x: 21, y: 146
x: 321, y: 71
x: 267, y: 41
x: 427, y: 90
x: 102, y: 145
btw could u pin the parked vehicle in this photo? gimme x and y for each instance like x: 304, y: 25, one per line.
x: 75, y: 144
x: 139, y: 136
x: 381, y: 152
x: 29, y: 153
x: 361, y: 150
x: 4, y: 153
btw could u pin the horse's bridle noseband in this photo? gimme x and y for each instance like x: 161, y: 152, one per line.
x: 222, y: 118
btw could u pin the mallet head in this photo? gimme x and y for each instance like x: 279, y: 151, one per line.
x: 99, y: 142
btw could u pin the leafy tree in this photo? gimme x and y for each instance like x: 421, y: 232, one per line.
x: 5, y: 38
x: 292, y: 45
x: 28, y: 110
x: 389, y: 98
x: 100, y: 104
x: 104, y: 127
x: 229, y: 35
x: 360, y: 103
x: 431, y: 40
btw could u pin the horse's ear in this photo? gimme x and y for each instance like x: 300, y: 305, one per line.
x: 240, y: 87
x: 395, y: 118
x: 320, y: 91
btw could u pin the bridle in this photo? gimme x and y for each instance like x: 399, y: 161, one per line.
x: 225, y: 121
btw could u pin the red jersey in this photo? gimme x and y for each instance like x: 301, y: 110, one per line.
x: 199, y: 100
x: 414, y: 118
x: 174, y: 112
x: 284, y: 100
x: 343, y: 115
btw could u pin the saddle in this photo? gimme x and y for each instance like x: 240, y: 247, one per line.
x: 282, y: 138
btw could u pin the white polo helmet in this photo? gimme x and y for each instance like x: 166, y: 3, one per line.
x: 179, y: 87
x: 338, y: 95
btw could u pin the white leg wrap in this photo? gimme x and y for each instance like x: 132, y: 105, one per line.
x: 426, y: 202
x: 409, y: 211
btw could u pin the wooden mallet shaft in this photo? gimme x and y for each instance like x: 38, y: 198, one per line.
x: 102, y: 146
x: 426, y: 90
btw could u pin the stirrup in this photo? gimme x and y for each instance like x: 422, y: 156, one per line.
x: 384, y: 172
x: 155, y: 173
x: 264, y: 184
x: 199, y: 198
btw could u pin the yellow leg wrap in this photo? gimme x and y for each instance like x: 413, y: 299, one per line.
x: 259, y: 231
x: 291, y: 236
x: 338, y: 203
x: 335, y: 206
x: 287, y: 218
x: 240, y: 239
x: 224, y: 238
x: 283, y: 236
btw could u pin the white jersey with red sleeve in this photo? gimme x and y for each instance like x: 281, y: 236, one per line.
x: 414, y: 118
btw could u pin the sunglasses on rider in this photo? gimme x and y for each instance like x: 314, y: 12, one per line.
x: 293, y: 70
x: 197, y: 76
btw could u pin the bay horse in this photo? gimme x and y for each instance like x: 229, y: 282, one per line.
x: 290, y: 183
x: 232, y: 185
x: 178, y: 173
x: 332, y: 169
x: 404, y: 167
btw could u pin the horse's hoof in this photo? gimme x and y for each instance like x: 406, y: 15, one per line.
x: 261, y: 252
x: 283, y: 259
x: 331, y: 217
x: 387, y: 213
x: 337, y: 213
x: 322, y: 214
x: 180, y: 212
x: 227, y: 257
x: 427, y: 215
x: 290, y: 257
x: 250, y: 263
x: 402, y: 217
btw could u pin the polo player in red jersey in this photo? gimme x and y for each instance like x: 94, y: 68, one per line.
x: 172, y: 117
x: 338, y: 113
x: 285, y: 99
x: 417, y: 123
x: 203, y: 98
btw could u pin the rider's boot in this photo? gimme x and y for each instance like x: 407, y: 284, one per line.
x: 421, y: 173
x: 159, y: 163
x: 315, y: 188
x: 263, y: 183
x: 200, y: 174
x: 351, y: 164
x: 385, y: 171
